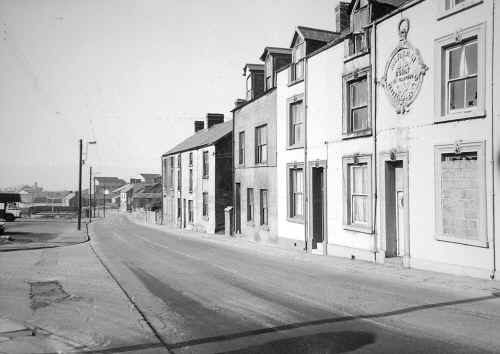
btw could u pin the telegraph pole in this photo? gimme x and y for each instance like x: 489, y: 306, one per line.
x: 95, y: 198
x: 80, y: 188
x: 90, y: 195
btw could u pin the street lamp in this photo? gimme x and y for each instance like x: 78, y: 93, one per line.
x: 81, y: 161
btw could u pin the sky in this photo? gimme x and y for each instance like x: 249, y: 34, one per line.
x: 131, y: 75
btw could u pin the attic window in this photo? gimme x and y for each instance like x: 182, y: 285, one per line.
x: 298, y: 58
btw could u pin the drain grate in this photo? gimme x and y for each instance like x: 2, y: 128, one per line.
x: 44, y: 293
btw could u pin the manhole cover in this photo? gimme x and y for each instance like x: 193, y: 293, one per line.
x: 43, y: 293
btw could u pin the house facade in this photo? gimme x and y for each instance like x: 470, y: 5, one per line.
x: 386, y: 136
x: 197, y: 177
x: 255, y: 188
x: 291, y: 136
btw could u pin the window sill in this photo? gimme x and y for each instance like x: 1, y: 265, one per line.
x: 461, y: 241
x: 356, y: 55
x: 294, y: 147
x: 297, y: 220
x: 357, y: 228
x: 204, y: 177
x: 358, y: 134
x: 261, y: 164
x: 466, y: 5
x: 462, y: 115
x: 292, y: 83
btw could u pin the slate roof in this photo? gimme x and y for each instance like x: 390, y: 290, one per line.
x: 395, y: 3
x: 315, y: 34
x: 273, y: 50
x: 150, y: 175
x: 110, y: 180
x: 203, y: 138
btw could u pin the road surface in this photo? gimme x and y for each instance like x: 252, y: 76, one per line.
x: 205, y: 296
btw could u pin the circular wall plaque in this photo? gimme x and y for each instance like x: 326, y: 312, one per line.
x: 404, y: 71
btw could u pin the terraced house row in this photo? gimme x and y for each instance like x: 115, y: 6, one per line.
x: 378, y: 140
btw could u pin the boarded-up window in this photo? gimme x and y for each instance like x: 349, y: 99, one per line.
x: 460, y: 195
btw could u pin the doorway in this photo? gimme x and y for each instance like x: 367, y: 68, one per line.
x: 317, y: 226
x: 184, y: 214
x: 237, y: 207
x: 394, y: 209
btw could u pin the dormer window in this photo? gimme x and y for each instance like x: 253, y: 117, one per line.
x: 360, y: 16
x: 249, y: 87
x: 356, y: 44
x: 269, y: 72
x: 298, y: 58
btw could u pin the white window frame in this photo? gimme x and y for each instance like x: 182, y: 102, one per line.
x: 479, y: 148
x: 250, y: 205
x: 347, y: 79
x: 290, y: 194
x: 296, y: 61
x: 441, y: 46
x: 348, y: 162
x: 297, y: 99
x: 443, y: 12
x: 269, y: 79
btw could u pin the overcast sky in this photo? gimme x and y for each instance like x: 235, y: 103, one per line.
x: 130, y: 74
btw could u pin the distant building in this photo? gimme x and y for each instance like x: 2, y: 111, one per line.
x: 197, y: 177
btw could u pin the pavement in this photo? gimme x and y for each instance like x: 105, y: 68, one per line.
x: 62, y: 300
x: 153, y: 289
x: 24, y: 234
x: 214, y: 294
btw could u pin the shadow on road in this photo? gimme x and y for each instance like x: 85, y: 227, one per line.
x: 335, y: 340
x: 332, y: 343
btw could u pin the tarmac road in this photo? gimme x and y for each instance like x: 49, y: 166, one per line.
x: 206, y: 296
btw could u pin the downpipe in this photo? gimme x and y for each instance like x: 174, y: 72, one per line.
x: 494, y: 269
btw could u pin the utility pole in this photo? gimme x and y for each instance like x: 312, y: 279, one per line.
x: 80, y: 188
x: 90, y: 195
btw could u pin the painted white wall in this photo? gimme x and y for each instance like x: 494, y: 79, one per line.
x: 288, y: 230
x: 417, y: 133
x: 325, y: 109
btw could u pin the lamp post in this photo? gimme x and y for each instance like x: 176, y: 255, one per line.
x: 80, y: 163
x: 90, y: 194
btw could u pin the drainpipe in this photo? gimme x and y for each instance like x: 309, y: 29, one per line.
x: 233, y: 172
x: 373, y: 85
x: 306, y: 62
x: 493, y: 238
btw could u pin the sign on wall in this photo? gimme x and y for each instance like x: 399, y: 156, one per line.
x: 404, y: 71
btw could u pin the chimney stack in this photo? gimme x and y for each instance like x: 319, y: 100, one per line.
x: 198, y: 125
x: 342, y: 16
x: 214, y: 118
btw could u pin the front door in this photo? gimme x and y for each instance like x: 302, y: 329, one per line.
x: 395, y: 209
x: 184, y: 214
x: 237, y: 211
x: 318, y: 212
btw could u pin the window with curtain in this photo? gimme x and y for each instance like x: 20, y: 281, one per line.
x: 462, y: 75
